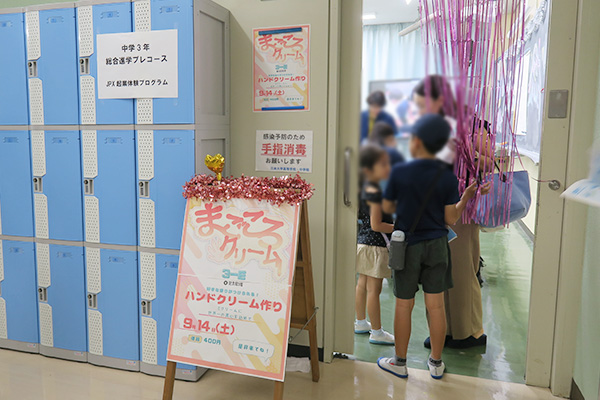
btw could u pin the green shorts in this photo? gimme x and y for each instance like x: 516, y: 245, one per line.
x: 427, y: 263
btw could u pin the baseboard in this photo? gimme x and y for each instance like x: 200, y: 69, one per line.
x: 575, y: 392
x: 296, y: 350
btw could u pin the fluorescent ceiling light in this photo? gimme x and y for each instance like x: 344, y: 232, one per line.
x: 369, y: 16
x: 408, y: 2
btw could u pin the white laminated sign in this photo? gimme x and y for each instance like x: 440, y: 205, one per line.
x: 137, y: 65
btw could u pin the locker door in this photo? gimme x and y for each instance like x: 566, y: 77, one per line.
x: 112, y: 282
x: 92, y: 21
x: 53, y: 78
x: 18, y: 302
x: 158, y: 277
x: 16, y: 207
x: 165, y: 163
x: 13, y: 74
x: 109, y: 185
x: 57, y: 185
x: 62, y: 300
x: 162, y: 15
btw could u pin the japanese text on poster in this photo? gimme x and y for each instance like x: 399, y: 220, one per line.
x: 137, y: 65
x: 282, y: 68
x: 284, y: 151
x: 233, y: 297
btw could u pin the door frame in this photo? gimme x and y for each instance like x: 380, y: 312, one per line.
x: 560, y: 226
x: 558, y: 252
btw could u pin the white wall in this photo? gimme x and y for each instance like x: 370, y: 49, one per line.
x: 249, y: 14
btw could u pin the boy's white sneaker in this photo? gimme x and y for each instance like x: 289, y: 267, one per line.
x: 381, y: 337
x: 363, y: 326
x: 437, y: 372
x: 387, y: 364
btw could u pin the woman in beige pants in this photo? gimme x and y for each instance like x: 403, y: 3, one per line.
x: 463, y: 301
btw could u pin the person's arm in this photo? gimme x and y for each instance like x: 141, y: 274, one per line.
x: 453, y: 212
x: 388, y: 206
x: 376, y: 219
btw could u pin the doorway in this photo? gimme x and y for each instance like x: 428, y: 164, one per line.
x: 393, y: 63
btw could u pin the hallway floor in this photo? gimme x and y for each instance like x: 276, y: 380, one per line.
x: 507, y: 274
x: 33, y: 377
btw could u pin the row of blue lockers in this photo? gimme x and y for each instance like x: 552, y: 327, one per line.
x: 48, y: 72
x: 107, y: 307
x: 120, y: 187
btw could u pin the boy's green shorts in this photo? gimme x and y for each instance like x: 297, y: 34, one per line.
x: 427, y: 263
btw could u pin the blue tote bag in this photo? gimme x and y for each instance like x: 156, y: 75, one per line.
x: 495, y: 202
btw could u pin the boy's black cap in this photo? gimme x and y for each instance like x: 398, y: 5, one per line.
x: 433, y: 130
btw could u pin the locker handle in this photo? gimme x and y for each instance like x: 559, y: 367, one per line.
x: 347, y: 159
x: 43, y: 294
x: 32, y: 69
x: 144, y: 187
x: 92, y: 300
x: 88, y: 186
x: 146, y: 308
x: 84, y: 65
x: 37, y: 185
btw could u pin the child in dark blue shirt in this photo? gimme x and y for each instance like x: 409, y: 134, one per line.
x: 427, y: 255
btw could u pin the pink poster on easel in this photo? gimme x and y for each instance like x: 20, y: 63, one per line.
x: 233, y: 298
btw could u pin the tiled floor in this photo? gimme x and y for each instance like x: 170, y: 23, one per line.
x: 34, y: 377
x: 508, y: 256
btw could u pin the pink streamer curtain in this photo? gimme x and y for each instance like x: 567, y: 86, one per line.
x: 477, y: 46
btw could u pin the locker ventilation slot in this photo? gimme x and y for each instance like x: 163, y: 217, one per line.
x: 148, y: 275
x: 3, y: 330
x: 86, y: 31
x: 41, y: 216
x: 144, y: 111
x: 1, y: 264
x: 36, y: 101
x: 90, y: 153
x: 149, y: 341
x: 32, y: 21
x: 95, y: 332
x: 145, y: 155
x: 147, y: 234
x: 88, y: 100
x: 43, y: 264
x: 94, y: 277
x: 46, y: 330
x: 38, y: 153
x: 92, y: 220
x: 142, y: 16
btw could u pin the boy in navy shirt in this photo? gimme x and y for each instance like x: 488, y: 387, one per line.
x: 427, y: 256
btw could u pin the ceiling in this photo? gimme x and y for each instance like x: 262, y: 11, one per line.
x: 390, y: 11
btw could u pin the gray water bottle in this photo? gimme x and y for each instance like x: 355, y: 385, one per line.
x: 397, y: 251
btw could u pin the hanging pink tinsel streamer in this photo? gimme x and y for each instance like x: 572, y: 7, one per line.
x: 477, y: 46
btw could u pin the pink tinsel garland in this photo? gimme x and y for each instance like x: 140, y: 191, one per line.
x: 275, y: 190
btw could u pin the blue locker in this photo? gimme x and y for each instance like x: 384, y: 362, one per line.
x: 92, y: 21
x: 18, y: 300
x: 113, y: 324
x: 52, y: 67
x: 56, y: 160
x: 62, y: 301
x: 165, y: 163
x: 13, y: 76
x: 109, y: 184
x: 158, y: 278
x: 174, y: 14
x: 16, y: 206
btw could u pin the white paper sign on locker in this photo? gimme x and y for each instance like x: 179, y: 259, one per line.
x: 137, y: 65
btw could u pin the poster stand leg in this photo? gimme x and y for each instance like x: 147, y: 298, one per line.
x: 169, y: 380
x: 278, y: 395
